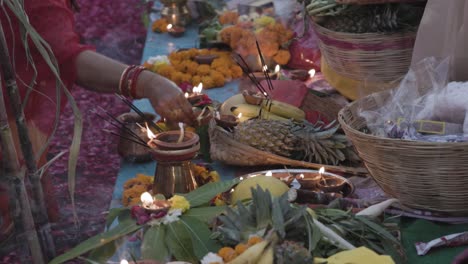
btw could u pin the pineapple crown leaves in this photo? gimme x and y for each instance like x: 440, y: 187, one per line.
x: 262, y: 216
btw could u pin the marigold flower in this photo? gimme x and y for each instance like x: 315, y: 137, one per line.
x: 179, y: 202
x: 227, y: 253
x: 240, y: 248
x: 203, y: 69
x: 236, y: 71
x: 254, y: 240
x: 282, y: 57
x: 207, y: 82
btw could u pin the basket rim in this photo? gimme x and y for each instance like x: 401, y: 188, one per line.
x: 409, y: 31
x: 351, y: 129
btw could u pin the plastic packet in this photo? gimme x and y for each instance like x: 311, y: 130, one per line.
x: 411, y: 107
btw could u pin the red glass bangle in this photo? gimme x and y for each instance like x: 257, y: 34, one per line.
x: 133, y: 81
x: 124, y: 79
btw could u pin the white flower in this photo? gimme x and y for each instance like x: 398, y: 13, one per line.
x: 158, y: 59
x: 212, y: 258
x: 172, y: 216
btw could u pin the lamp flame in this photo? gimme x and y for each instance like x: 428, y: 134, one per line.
x: 277, y: 68
x: 301, y: 176
x: 186, y: 95
x: 198, y: 89
x: 149, y: 133
x: 269, y: 174
x: 123, y: 261
x: 265, y: 68
x: 239, y: 115
x: 321, y: 170
x: 169, y: 26
x: 312, y: 73
x: 146, y: 199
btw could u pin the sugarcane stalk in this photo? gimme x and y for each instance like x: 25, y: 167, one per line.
x: 20, y: 207
x: 38, y: 205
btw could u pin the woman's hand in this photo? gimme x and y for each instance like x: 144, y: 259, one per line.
x: 166, y: 98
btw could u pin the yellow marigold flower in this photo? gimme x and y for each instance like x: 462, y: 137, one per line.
x: 236, y: 71
x: 254, y: 240
x: 129, y: 196
x: 227, y: 253
x: 282, y: 57
x: 218, y: 78
x: 225, y: 71
x: 240, y: 248
x: 179, y: 202
x: 203, y: 70
x: 196, y: 79
x: 207, y: 82
x: 191, y: 67
x: 165, y: 70
x: 214, y: 176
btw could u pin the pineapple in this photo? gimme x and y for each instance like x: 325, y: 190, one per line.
x: 374, y: 18
x: 313, y: 143
x: 266, y: 217
x: 290, y: 252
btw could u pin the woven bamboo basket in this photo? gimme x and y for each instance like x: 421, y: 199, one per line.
x: 224, y: 148
x: 422, y: 175
x: 377, y: 57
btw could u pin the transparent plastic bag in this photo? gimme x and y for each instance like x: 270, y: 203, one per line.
x: 416, y: 102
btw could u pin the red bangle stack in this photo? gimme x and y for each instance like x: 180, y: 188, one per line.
x: 128, y: 80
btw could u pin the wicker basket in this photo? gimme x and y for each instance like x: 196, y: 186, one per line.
x: 378, y: 57
x: 369, y: 2
x: 224, y: 148
x: 422, y: 175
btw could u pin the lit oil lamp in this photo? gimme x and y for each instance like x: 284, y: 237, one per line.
x: 153, y: 205
x: 261, y: 74
x: 175, y: 31
x: 196, y: 95
x: 226, y: 121
x: 330, y: 184
x: 310, y: 180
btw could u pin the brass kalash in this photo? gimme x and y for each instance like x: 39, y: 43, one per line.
x: 176, y: 12
x: 173, y: 154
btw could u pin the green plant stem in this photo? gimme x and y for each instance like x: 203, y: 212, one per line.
x: 20, y: 208
x: 38, y: 206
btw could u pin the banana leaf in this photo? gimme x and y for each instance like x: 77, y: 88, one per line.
x: 154, y: 244
x: 204, y: 194
x: 125, y: 227
x: 179, y: 242
x: 200, y: 235
x: 205, y: 214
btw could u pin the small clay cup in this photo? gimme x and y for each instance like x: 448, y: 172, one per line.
x: 252, y: 97
x: 331, y: 185
x: 168, y: 140
x: 176, y: 31
x: 309, y: 181
x: 205, y: 59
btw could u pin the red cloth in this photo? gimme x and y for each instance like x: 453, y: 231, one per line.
x: 54, y: 21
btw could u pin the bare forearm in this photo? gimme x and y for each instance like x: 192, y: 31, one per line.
x: 98, y: 73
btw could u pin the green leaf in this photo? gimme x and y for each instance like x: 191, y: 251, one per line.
x: 277, y: 218
x: 200, y: 234
x: 113, y: 214
x: 377, y: 229
x: 262, y: 203
x: 316, y: 234
x: 154, y: 245
x: 104, y: 253
x: 124, y: 228
x: 205, y: 193
x: 179, y: 242
x: 206, y: 214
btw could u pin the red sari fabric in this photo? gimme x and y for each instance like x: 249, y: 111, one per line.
x: 54, y: 21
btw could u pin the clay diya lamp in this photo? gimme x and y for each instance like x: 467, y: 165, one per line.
x: 130, y: 150
x: 308, y: 180
x: 176, y: 31
x: 227, y: 121
x: 252, y: 98
x: 260, y: 76
x: 205, y: 59
x: 301, y: 75
x: 331, y: 184
x: 284, y: 177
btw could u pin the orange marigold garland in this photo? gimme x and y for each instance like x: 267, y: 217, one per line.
x: 183, y: 68
x: 160, y: 25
